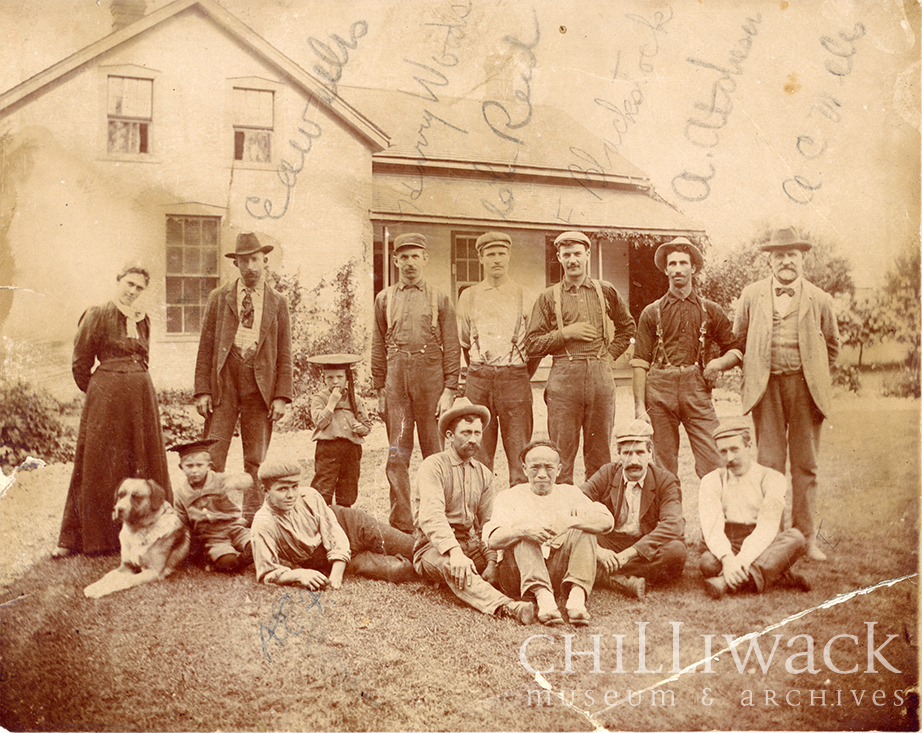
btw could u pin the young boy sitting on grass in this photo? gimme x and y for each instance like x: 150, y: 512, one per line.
x: 340, y: 424
x: 299, y: 540
x: 202, y: 503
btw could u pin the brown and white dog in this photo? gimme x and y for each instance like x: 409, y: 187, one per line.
x: 154, y: 540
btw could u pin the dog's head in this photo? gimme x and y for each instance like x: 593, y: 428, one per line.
x: 136, y: 499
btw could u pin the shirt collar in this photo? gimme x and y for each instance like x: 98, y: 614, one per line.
x: 671, y: 297
x: 796, y: 284
x: 454, y: 458
x: 570, y: 287
x: 639, y: 482
x: 419, y: 285
x: 257, y: 291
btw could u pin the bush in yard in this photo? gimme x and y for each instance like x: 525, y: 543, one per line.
x: 902, y: 383
x: 847, y: 377
x: 31, y: 425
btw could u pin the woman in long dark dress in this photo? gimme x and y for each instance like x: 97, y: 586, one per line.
x: 120, y: 435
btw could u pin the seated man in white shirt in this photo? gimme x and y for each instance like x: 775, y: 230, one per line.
x: 740, y: 507
x: 546, y: 531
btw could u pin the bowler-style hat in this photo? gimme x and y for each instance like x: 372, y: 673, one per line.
x: 633, y: 431
x: 493, y: 239
x: 786, y: 239
x: 572, y: 238
x: 334, y: 361
x: 196, y: 446
x: 463, y: 407
x: 409, y: 240
x: 730, y: 427
x: 679, y: 244
x: 247, y: 244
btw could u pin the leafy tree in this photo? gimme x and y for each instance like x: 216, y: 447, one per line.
x: 898, y: 299
x: 861, y: 322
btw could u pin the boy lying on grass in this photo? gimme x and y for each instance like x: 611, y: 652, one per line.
x: 299, y: 540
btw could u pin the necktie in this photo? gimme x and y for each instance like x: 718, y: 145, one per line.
x: 784, y: 291
x: 247, y: 311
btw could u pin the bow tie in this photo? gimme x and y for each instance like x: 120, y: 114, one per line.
x: 784, y: 291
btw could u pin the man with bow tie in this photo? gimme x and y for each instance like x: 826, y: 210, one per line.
x: 243, y: 370
x: 647, y: 543
x: 787, y: 329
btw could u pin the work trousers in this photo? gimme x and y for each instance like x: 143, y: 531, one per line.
x: 665, y: 566
x: 787, y: 421
x: 432, y: 564
x: 412, y: 389
x: 506, y: 392
x: 677, y: 395
x: 336, y: 470
x: 524, y: 569
x: 580, y: 396
x: 375, y: 546
x: 240, y: 399
x: 781, y: 554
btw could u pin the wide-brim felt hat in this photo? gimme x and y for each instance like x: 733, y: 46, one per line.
x: 786, y: 239
x: 463, y: 407
x: 679, y: 244
x: 334, y: 361
x: 247, y: 244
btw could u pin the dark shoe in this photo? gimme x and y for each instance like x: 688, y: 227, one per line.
x: 521, y: 611
x: 631, y: 586
x: 716, y: 587
x: 790, y: 579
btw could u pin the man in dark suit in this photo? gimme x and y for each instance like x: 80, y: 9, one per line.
x: 647, y: 542
x: 243, y: 369
x: 787, y: 328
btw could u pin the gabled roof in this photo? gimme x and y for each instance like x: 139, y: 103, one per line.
x: 373, y: 136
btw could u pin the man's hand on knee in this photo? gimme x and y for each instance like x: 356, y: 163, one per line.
x: 461, y: 567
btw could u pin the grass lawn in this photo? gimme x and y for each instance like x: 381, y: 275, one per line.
x: 207, y: 652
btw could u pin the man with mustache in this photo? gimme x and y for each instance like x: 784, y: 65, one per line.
x: 452, y: 501
x: 244, y: 370
x: 492, y: 318
x: 585, y: 325
x: 647, y: 543
x: 672, y: 371
x: 787, y: 329
x: 415, y: 362
x: 740, y: 507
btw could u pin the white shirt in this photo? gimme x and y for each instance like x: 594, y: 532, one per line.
x: 782, y: 303
x: 245, y: 338
x: 493, y: 320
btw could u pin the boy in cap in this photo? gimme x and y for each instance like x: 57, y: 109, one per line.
x: 340, y: 423
x: 202, y: 503
x: 299, y: 540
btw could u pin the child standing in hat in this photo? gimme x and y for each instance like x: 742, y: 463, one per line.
x: 204, y: 506
x: 341, y: 423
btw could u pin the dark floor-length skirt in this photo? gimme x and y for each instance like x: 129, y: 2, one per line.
x: 119, y: 438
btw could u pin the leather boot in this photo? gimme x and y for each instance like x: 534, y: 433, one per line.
x: 392, y: 568
x: 631, y: 586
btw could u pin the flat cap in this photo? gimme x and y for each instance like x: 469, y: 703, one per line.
x: 334, y: 361
x: 274, y: 470
x: 572, y: 238
x: 730, y: 427
x: 634, y: 430
x: 410, y: 240
x: 196, y: 446
x: 786, y: 239
x: 493, y: 239
x: 463, y: 407
x: 679, y: 244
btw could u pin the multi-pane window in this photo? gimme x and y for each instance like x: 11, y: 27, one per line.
x: 253, y: 123
x: 130, y: 102
x: 191, y: 270
x: 465, y: 265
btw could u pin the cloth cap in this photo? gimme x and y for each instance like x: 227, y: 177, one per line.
x: 730, y: 427
x: 334, y: 361
x: 786, y: 239
x: 679, y: 244
x: 493, y: 239
x: 634, y: 430
x: 196, y: 446
x: 572, y: 238
x: 463, y: 407
x: 409, y: 240
x: 274, y: 470
x: 247, y: 244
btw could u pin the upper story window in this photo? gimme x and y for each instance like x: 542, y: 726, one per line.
x: 254, y: 119
x: 130, y: 104
x: 191, y: 270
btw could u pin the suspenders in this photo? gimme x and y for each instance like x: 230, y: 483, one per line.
x: 433, y: 308
x: 606, y: 321
x: 519, y: 320
x: 660, y: 360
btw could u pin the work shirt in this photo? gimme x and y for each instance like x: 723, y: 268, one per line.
x: 207, y: 510
x: 341, y: 422
x: 579, y: 304
x: 285, y: 541
x: 247, y: 338
x: 489, y: 319
x: 628, y: 521
x: 412, y: 318
x: 757, y: 497
x: 452, y: 499
x: 681, y: 324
